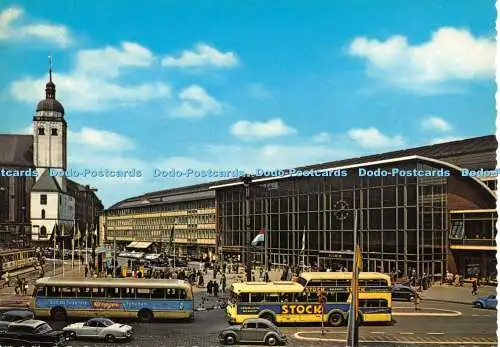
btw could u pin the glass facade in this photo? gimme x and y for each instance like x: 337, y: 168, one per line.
x: 402, y: 220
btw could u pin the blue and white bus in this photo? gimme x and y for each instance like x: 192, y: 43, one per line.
x: 144, y: 299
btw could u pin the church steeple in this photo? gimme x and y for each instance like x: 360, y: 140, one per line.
x: 50, y: 87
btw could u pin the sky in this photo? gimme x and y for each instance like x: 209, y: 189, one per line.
x: 244, y: 85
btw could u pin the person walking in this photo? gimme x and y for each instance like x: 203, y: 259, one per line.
x: 417, y: 301
x: 474, y: 287
x: 209, y: 288
x: 216, y: 289
x: 223, y: 283
x: 86, y: 271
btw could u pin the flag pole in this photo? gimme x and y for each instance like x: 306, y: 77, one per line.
x: 73, y: 246
x: 62, y: 247
x: 54, y: 236
x: 352, y: 337
x: 87, y: 246
x: 79, y: 249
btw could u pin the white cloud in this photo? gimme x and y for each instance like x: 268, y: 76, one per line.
x: 258, y: 91
x: 93, y: 84
x: 101, y: 139
x: 259, y: 130
x: 322, y: 137
x: 436, y: 124
x: 444, y: 139
x: 372, y: 138
x: 202, y: 56
x: 450, y: 54
x: 12, y: 30
x: 195, y: 102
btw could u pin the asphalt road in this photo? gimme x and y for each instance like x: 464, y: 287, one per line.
x: 472, y: 327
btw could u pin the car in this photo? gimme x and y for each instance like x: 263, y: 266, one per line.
x: 252, y: 330
x: 99, y: 328
x: 403, y: 293
x: 489, y: 302
x: 32, y: 332
x: 14, y: 316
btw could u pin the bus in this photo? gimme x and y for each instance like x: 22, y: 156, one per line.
x: 144, y: 299
x: 341, y: 281
x: 15, y: 260
x: 291, y: 302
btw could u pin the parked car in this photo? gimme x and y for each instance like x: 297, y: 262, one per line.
x: 489, y: 302
x: 253, y: 330
x: 14, y: 316
x: 32, y: 332
x: 403, y: 293
x: 99, y: 328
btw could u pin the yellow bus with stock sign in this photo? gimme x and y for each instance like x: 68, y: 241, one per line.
x: 291, y: 302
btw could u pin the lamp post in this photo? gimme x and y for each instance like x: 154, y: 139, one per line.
x: 247, y: 180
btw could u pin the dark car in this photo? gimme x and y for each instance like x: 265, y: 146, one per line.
x: 403, y: 293
x: 32, y: 332
x: 14, y: 316
x: 253, y: 330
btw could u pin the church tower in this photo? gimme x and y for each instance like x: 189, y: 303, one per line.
x: 49, y: 133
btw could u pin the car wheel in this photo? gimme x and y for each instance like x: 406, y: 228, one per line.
x: 145, y: 316
x: 70, y: 335
x: 271, y: 341
x: 478, y: 305
x: 268, y: 316
x: 229, y: 340
x: 110, y: 338
x: 58, y: 314
x: 336, y: 319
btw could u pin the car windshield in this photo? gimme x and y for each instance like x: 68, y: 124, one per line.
x: 107, y: 322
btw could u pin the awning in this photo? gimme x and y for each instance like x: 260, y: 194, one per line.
x: 139, y: 245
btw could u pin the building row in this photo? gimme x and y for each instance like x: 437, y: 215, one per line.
x: 427, y: 215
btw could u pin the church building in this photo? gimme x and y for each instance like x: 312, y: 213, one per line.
x: 49, y: 202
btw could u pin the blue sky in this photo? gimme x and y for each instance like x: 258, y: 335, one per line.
x: 240, y: 84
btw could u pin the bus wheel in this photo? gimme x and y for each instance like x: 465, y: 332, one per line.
x: 268, y: 317
x: 58, y: 313
x: 336, y: 319
x: 145, y: 316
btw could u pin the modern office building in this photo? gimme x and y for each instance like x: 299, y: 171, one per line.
x: 425, y: 214
x: 146, y: 222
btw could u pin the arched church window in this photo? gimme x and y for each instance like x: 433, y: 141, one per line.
x: 53, y: 132
x: 41, y: 131
x: 43, y: 231
x: 43, y: 214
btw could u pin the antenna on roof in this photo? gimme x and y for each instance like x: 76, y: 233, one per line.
x: 50, y: 68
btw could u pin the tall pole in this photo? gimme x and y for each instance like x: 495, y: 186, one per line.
x: 79, y: 248
x: 114, y: 252
x: 87, y: 246
x: 352, y: 337
x: 246, y: 184
x: 266, y: 238
x: 62, y: 247
x: 73, y: 246
x: 54, y: 236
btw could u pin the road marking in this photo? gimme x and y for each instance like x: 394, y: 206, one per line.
x: 406, y: 334
x: 435, y: 333
x: 378, y: 332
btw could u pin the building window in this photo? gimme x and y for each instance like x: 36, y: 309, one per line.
x: 457, y: 230
x: 43, y: 232
x: 41, y: 131
x: 53, y: 132
x: 43, y: 214
x: 43, y: 199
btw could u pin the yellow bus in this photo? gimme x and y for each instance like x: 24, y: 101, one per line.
x: 341, y: 281
x: 145, y: 299
x: 291, y: 302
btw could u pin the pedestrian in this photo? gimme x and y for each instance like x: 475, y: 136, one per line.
x: 474, y: 287
x: 86, y: 271
x: 266, y: 277
x: 417, y: 301
x: 216, y: 289
x: 25, y: 287
x: 223, y: 283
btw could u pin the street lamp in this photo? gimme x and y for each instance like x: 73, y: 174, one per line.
x: 247, y: 180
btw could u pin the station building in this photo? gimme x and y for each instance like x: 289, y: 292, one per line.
x: 146, y: 222
x: 428, y: 224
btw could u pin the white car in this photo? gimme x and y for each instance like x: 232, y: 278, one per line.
x: 99, y: 328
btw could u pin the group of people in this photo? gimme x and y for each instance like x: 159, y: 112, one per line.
x: 21, y: 287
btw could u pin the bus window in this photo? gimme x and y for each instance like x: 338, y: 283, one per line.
x: 272, y: 297
x: 98, y: 292
x: 143, y: 293
x: 68, y: 292
x: 341, y: 297
x: 314, y: 284
x: 287, y: 297
x: 182, y: 294
x: 373, y: 303
x: 256, y: 297
x: 84, y: 292
x: 312, y: 297
x: 302, y: 281
x: 243, y: 297
x: 300, y: 297
x: 329, y: 283
x: 40, y: 291
x: 53, y: 292
x: 157, y: 293
x: 113, y: 292
x: 127, y: 293
x: 172, y: 294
